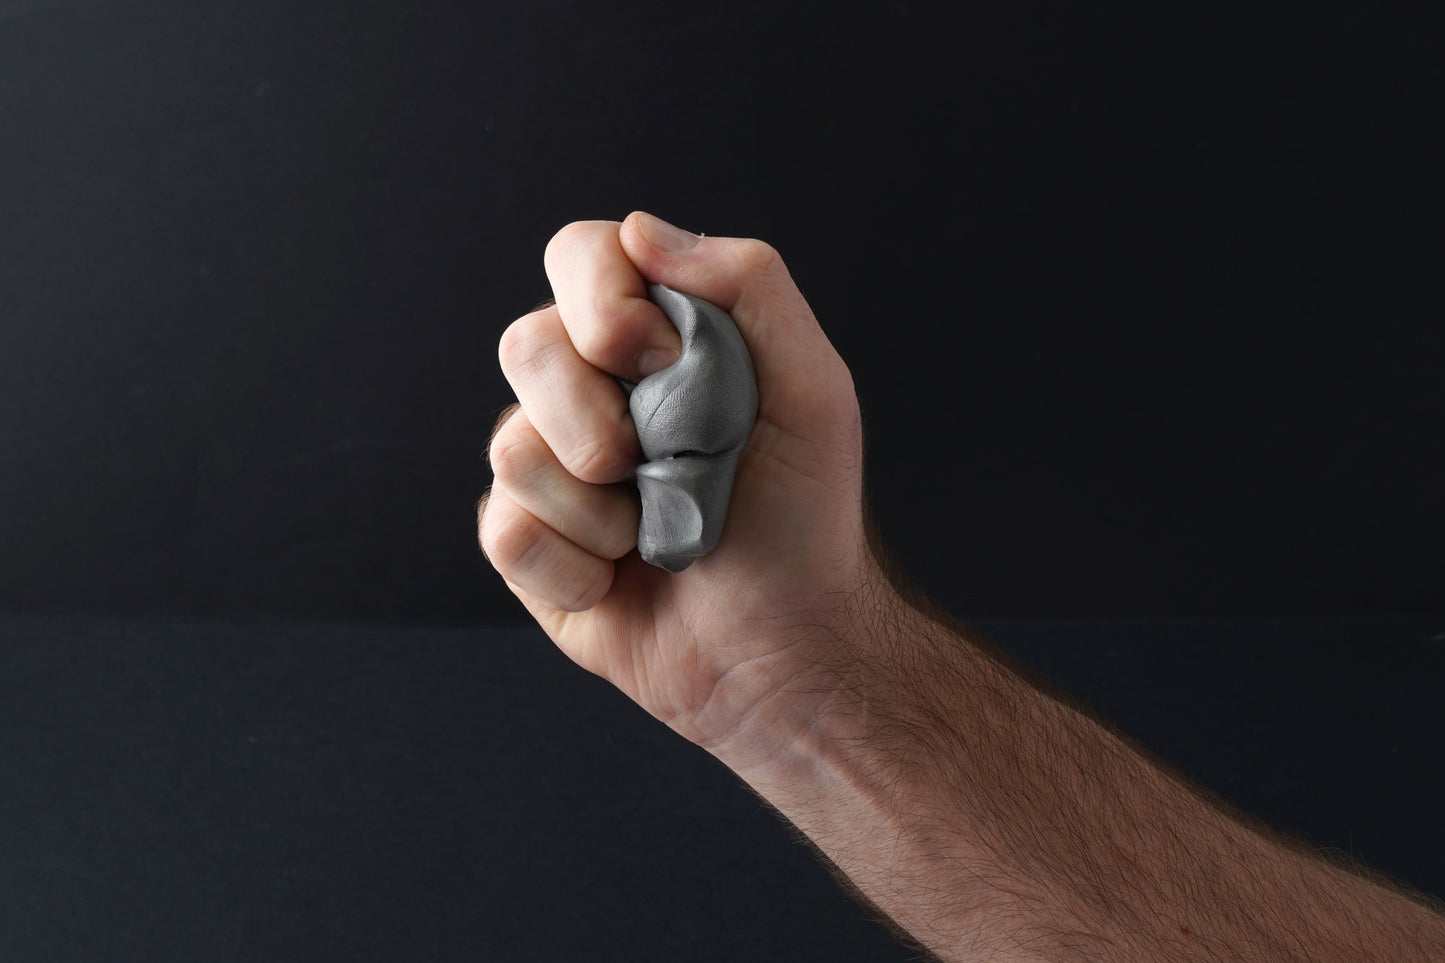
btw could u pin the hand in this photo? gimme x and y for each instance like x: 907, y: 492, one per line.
x: 704, y: 649
x: 978, y: 813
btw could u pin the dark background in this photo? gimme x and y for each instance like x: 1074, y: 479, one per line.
x: 1144, y: 313
x: 182, y: 791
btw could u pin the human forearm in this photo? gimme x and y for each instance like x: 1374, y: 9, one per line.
x: 987, y: 819
x: 991, y: 821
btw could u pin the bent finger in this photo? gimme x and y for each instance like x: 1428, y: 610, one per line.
x: 601, y: 519
x: 603, y: 302
x: 579, y: 410
x: 528, y: 553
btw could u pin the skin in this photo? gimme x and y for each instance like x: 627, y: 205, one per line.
x: 981, y: 816
x: 694, y: 649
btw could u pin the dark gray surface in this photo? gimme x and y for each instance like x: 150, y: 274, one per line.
x: 201, y: 791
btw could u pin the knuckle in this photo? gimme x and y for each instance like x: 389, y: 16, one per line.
x: 503, y: 419
x: 562, y: 245
x: 527, y: 349
x: 511, y: 541
x: 615, y: 329
x: 593, y: 333
x: 584, y: 595
x: 481, y: 517
x: 596, y: 462
x: 757, y: 257
x: 611, y: 324
x: 518, y: 343
x: 620, y: 539
x: 516, y: 454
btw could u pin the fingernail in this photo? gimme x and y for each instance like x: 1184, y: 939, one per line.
x: 665, y: 237
x: 654, y: 360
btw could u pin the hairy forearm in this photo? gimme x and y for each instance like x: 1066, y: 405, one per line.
x: 993, y: 822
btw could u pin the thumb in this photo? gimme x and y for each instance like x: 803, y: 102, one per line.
x: 796, y: 366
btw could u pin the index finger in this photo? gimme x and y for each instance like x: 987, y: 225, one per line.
x: 603, y: 302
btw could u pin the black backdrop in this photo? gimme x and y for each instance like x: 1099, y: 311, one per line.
x: 1144, y: 311
x: 1144, y: 315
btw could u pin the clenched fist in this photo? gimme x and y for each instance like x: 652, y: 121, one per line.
x: 980, y: 815
x: 708, y: 648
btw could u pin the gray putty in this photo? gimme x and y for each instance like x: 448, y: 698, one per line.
x: 693, y: 419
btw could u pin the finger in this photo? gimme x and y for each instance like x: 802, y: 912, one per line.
x: 579, y: 410
x: 603, y: 302
x: 481, y: 513
x: 507, y: 413
x: 600, y: 519
x: 527, y: 553
x: 800, y: 375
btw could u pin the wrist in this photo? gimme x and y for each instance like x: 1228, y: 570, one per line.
x: 986, y: 818
x: 819, y: 688
x: 859, y: 753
